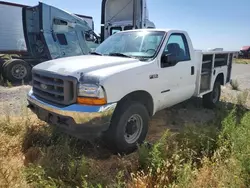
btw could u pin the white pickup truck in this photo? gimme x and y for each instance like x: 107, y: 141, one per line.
x: 115, y: 90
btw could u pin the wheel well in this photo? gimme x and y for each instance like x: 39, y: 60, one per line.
x: 140, y: 96
x: 220, y: 78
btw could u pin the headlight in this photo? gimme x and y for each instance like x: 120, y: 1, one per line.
x: 91, y: 94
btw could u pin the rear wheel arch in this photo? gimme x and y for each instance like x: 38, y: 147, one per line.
x: 210, y: 100
x: 220, y: 78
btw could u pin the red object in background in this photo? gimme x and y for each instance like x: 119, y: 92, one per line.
x: 245, y: 48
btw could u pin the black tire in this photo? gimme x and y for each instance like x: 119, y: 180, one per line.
x: 1, y: 68
x: 115, y: 136
x: 17, y: 77
x: 212, y: 99
x: 4, y: 68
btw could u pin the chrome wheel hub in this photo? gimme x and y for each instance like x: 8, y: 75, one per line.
x: 133, y: 128
x: 19, y: 71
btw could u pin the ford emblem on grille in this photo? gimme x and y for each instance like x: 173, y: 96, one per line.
x: 43, y: 86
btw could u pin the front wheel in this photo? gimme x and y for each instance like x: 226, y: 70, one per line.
x: 129, y: 127
x: 211, y: 99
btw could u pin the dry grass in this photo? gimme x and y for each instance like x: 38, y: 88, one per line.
x: 11, y: 157
x: 213, y: 154
x: 218, y: 174
x: 36, y: 155
x: 242, y: 61
x: 234, y: 84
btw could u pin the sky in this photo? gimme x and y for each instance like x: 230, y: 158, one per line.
x: 210, y: 23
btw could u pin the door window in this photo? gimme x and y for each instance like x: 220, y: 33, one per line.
x: 177, y: 46
x: 90, y: 39
x: 62, y: 39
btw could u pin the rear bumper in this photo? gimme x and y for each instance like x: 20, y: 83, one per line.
x: 77, y: 120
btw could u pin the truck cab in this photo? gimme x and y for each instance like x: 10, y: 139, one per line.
x: 52, y: 33
x: 128, y: 78
x: 46, y: 33
x: 122, y: 15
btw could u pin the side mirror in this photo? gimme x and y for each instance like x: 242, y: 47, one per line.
x: 97, y: 41
x: 88, y: 37
x: 168, y: 60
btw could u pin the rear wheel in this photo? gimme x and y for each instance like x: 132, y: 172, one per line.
x: 17, y: 70
x: 129, y: 127
x: 212, y: 99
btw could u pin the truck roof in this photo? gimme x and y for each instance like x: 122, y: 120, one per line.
x: 22, y: 6
x: 156, y: 29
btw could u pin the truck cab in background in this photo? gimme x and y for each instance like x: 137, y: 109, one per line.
x: 53, y: 33
x: 245, y: 52
x: 46, y: 33
x: 121, y: 15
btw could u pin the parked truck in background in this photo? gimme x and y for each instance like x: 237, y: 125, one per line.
x: 121, y: 15
x: 244, y: 52
x: 133, y: 74
x: 36, y: 34
x: 38, y: 37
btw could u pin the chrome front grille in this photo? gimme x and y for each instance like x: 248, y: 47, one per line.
x: 54, y: 88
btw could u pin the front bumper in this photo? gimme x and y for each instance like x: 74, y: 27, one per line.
x: 77, y: 120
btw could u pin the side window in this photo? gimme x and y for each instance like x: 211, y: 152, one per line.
x: 62, y: 39
x: 88, y: 36
x: 177, y: 46
x: 60, y: 22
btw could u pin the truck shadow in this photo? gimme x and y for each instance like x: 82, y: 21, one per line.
x: 190, y: 113
x: 45, y: 146
x: 175, y: 118
x: 5, y: 83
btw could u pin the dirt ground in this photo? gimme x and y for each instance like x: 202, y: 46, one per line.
x: 13, y: 102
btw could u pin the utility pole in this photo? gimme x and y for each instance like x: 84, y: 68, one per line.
x: 134, y: 13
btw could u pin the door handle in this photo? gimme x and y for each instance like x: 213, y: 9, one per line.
x: 192, y: 70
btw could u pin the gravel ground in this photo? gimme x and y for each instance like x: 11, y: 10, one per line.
x: 241, y: 73
x: 13, y: 102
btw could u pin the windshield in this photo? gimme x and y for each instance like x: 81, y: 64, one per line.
x: 137, y: 44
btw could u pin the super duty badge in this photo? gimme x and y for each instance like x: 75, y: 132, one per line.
x: 153, y: 76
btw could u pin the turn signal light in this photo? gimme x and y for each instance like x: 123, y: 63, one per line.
x: 91, y: 101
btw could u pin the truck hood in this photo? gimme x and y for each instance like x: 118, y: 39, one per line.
x: 88, y: 65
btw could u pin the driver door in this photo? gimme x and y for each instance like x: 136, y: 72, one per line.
x: 176, y: 71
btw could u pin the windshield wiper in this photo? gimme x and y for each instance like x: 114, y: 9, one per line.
x: 119, y: 55
x: 95, y: 53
